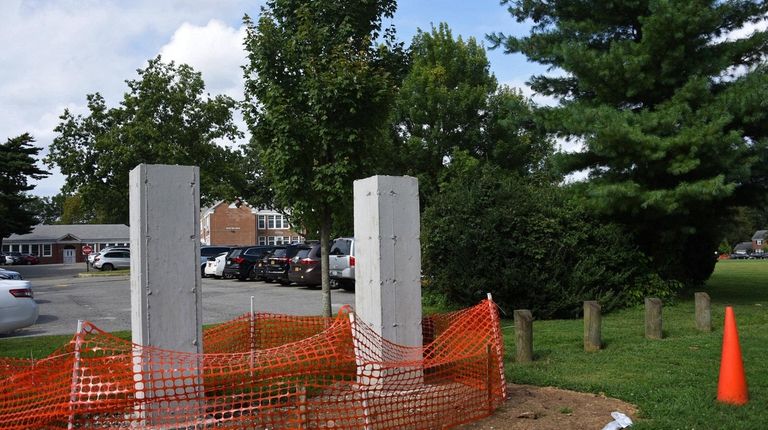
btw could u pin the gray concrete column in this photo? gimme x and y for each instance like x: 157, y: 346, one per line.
x: 166, y: 305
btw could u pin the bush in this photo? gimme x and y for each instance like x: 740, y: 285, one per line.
x: 530, y: 245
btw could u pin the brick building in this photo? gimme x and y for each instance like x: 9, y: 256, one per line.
x: 241, y: 224
x: 57, y: 244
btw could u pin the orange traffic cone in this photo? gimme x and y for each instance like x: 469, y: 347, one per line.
x: 732, y: 385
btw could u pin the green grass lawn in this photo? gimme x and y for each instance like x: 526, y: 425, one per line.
x: 673, y: 381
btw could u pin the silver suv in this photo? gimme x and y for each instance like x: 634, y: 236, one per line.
x: 113, y: 259
x: 341, y: 263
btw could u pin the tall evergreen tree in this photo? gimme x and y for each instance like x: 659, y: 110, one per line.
x: 17, y: 167
x: 320, y: 88
x: 670, y: 107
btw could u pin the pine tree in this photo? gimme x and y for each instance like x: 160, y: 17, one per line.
x: 670, y: 105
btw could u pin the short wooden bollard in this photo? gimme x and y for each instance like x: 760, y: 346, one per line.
x: 653, y: 324
x: 703, y: 312
x: 592, y: 326
x: 523, y: 335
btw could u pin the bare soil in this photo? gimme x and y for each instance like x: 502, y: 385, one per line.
x: 548, y: 408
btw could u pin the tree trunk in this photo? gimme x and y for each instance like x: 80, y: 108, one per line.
x: 325, y: 233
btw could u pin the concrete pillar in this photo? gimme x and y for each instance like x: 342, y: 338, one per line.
x: 388, y: 257
x: 166, y: 305
x: 388, y: 273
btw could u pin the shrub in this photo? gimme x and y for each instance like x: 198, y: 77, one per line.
x: 530, y: 245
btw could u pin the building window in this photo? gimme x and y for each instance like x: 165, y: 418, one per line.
x: 262, y: 240
x: 262, y: 222
x: 271, y: 240
x: 15, y: 247
x: 6, y: 248
x: 47, y: 250
x: 759, y: 242
x: 35, y: 250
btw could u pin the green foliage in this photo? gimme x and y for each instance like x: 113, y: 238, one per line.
x: 17, y: 167
x: 530, y: 245
x: 671, y: 113
x: 449, y: 102
x: 47, y: 209
x: 319, y: 91
x: 163, y: 119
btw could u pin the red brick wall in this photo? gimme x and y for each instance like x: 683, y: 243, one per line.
x: 233, y: 226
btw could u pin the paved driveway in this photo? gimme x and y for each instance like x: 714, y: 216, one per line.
x: 106, y: 301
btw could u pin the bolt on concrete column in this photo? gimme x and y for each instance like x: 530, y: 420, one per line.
x: 166, y: 305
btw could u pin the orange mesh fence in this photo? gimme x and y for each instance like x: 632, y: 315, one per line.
x: 266, y: 371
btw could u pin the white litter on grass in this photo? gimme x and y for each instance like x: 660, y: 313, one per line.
x: 620, y: 421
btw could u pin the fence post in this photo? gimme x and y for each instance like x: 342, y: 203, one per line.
x: 75, y: 374
x: 703, y: 312
x: 653, y: 323
x: 523, y: 335
x: 592, y: 326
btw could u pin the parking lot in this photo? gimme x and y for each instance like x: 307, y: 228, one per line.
x: 106, y: 301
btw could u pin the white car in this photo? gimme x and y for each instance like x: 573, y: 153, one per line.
x: 92, y: 256
x: 9, y: 274
x: 18, y: 308
x: 215, y: 267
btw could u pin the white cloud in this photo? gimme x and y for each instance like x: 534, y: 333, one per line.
x: 216, y: 50
x: 527, y: 92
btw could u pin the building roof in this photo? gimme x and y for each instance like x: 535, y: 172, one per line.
x: 760, y: 234
x: 76, y: 232
x: 743, y: 246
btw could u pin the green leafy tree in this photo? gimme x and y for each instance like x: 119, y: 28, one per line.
x: 530, y: 244
x: 449, y: 102
x: 47, y: 209
x: 17, y: 167
x: 671, y: 113
x: 319, y: 90
x: 163, y: 119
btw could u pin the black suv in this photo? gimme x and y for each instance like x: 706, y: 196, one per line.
x: 279, y: 262
x: 241, y: 259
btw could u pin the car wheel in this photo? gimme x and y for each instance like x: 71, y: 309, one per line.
x: 29, y: 262
x: 283, y: 282
x: 107, y: 267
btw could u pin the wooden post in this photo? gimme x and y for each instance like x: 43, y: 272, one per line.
x: 703, y: 312
x: 523, y: 335
x: 592, y: 326
x: 653, y: 323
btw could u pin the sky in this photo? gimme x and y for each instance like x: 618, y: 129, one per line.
x: 55, y: 52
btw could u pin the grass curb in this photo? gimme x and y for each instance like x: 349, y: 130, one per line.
x: 102, y: 274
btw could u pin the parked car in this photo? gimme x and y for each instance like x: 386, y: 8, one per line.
x: 114, y: 259
x: 215, y: 265
x: 241, y: 260
x: 259, y: 268
x: 29, y: 259
x: 92, y: 256
x: 10, y: 274
x: 341, y: 263
x: 279, y: 261
x: 305, y: 266
x: 18, y: 308
x: 14, y: 257
x: 208, y: 251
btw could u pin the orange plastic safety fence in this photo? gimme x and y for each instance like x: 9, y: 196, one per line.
x: 266, y: 371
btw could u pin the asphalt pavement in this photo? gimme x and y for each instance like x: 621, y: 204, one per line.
x: 65, y: 298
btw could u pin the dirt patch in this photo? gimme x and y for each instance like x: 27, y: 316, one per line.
x: 548, y: 408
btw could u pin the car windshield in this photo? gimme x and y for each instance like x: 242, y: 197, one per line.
x: 235, y: 253
x: 303, y: 252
